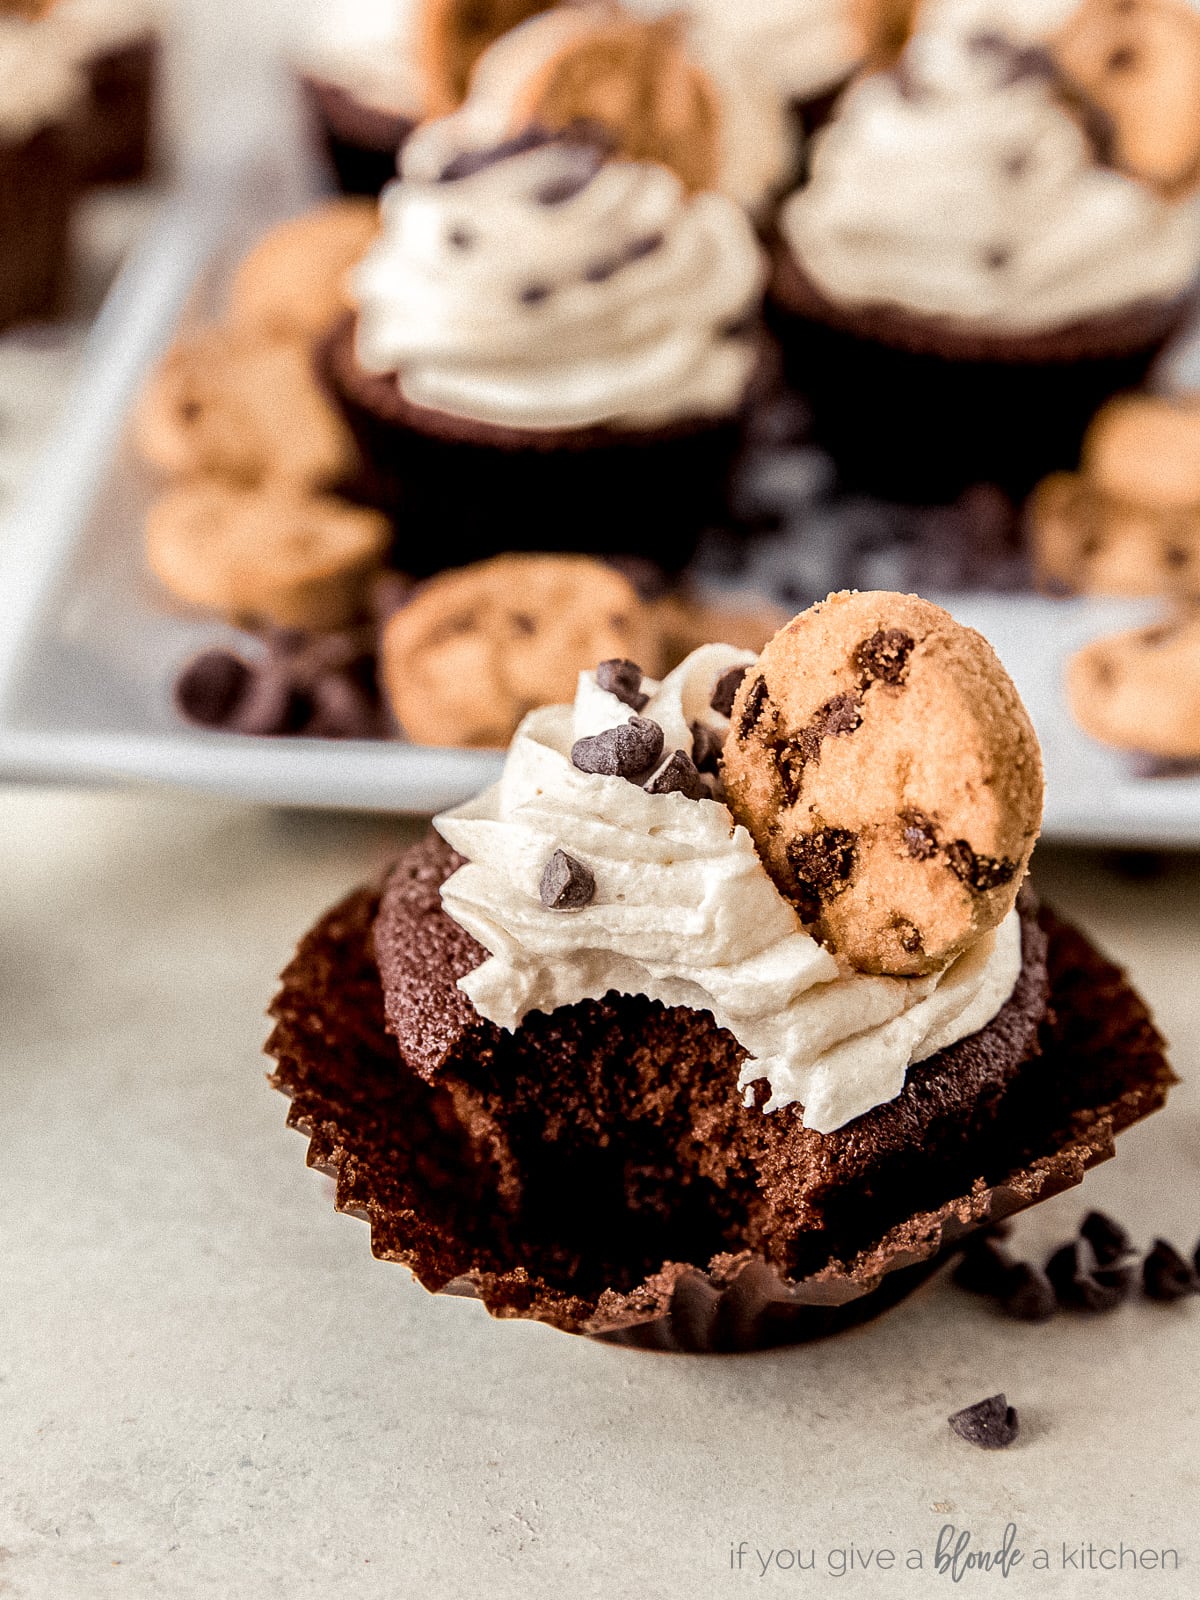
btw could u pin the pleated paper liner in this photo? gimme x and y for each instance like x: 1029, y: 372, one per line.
x: 401, y: 1162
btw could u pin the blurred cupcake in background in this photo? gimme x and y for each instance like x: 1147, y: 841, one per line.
x: 42, y: 100
x: 370, y: 70
x: 117, y: 45
x: 556, y: 335
x: 975, y: 266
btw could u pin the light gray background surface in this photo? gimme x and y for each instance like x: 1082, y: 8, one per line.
x: 209, y: 1388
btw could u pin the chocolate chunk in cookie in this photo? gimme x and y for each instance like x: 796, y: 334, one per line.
x: 883, y: 763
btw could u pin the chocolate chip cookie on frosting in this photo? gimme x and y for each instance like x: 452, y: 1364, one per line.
x: 972, y: 269
x: 555, y: 334
x: 581, y: 1056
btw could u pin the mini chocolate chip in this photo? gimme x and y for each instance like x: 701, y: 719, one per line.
x: 985, y: 1267
x: 625, y: 752
x: 461, y: 238
x: 707, y: 745
x: 884, y: 656
x: 210, y: 686
x: 978, y: 872
x: 992, y: 1424
x: 725, y: 691
x: 601, y: 271
x: 822, y: 862
x: 679, y: 776
x: 1030, y: 1295
x: 567, y: 884
x: 1081, y: 1284
x: 1166, y: 1275
x: 919, y: 835
x: 533, y: 294
x: 1108, y: 1238
x: 645, y: 245
x: 624, y: 679
x: 757, y: 702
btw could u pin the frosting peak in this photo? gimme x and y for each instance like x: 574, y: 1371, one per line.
x: 684, y: 912
x: 552, y: 289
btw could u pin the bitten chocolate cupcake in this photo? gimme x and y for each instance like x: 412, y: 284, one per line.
x: 550, y: 353
x: 370, y: 70
x: 42, y: 97
x: 968, y: 275
x: 633, y: 1047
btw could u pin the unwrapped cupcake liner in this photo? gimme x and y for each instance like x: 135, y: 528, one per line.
x: 400, y: 1159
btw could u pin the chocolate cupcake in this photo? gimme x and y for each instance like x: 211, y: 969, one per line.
x: 549, y: 353
x: 116, y: 44
x: 964, y: 280
x: 41, y: 98
x: 583, y: 1057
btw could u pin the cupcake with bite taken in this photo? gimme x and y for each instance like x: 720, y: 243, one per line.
x: 727, y: 1011
x: 554, y: 343
x: 981, y: 257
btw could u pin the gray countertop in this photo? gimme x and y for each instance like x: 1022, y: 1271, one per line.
x: 208, y: 1387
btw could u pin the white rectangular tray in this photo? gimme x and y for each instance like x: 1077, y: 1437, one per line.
x: 89, y: 648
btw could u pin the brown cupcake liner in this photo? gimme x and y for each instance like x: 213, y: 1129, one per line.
x: 400, y: 1158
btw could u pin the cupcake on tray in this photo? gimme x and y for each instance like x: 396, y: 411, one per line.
x: 983, y: 255
x: 727, y: 1012
x: 42, y: 100
x: 370, y: 70
x: 556, y: 335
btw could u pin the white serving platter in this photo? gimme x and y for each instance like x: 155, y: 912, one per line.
x: 89, y: 647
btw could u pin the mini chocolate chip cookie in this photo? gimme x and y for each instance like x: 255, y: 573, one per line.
x: 1140, y: 690
x: 244, y: 406
x: 269, y: 555
x: 292, y: 284
x: 473, y: 650
x: 633, y: 78
x: 890, y: 777
x: 1138, y: 62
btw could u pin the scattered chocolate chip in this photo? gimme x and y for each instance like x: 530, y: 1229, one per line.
x: 991, y: 1424
x: 1166, y: 1275
x: 707, y: 745
x: 209, y: 687
x: 567, y: 884
x: 625, y: 752
x: 533, y: 294
x: 1081, y: 1284
x: 757, y: 702
x: 624, y: 679
x: 725, y: 691
x: 978, y: 872
x: 679, y: 776
x: 884, y: 656
x: 1108, y: 1239
x: 1030, y: 1295
x: 822, y: 862
x: 985, y: 1267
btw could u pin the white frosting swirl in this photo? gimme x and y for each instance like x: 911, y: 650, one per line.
x: 611, y: 305
x: 959, y: 188
x: 367, y: 47
x: 40, y: 82
x: 757, y: 142
x: 685, y: 913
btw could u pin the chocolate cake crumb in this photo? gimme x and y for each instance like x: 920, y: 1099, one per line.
x: 1030, y: 1295
x: 623, y: 679
x: 1166, y: 1275
x: 991, y: 1424
x: 679, y: 776
x: 625, y: 752
x: 567, y: 884
x: 1108, y: 1239
x: 725, y: 692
